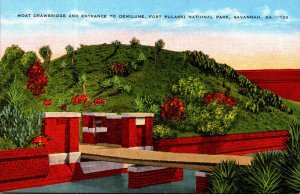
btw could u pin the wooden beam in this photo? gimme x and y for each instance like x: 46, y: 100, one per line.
x: 203, y: 162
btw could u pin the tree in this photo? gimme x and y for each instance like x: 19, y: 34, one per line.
x: 134, y: 42
x: 159, y: 45
x: 116, y: 45
x: 28, y: 59
x: 63, y: 66
x: 70, y: 52
x: 12, y: 54
x: 37, y: 79
x: 45, y: 53
x: 83, y: 81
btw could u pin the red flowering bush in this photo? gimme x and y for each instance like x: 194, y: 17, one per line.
x: 37, y: 79
x: 79, y: 99
x: 47, y: 102
x: 220, y: 98
x: 121, y: 69
x: 99, y: 101
x: 64, y: 107
x: 82, y: 45
x: 40, y: 141
x: 172, y: 109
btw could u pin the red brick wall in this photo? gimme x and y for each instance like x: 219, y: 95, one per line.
x: 114, y: 132
x: 284, y: 82
x: 88, y: 138
x: 121, y: 130
x: 154, y: 177
x: 19, y: 164
x: 63, y: 132
x: 235, y: 144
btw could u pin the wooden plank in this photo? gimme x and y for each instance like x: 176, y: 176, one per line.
x: 203, y: 162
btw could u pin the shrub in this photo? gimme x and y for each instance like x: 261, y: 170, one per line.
x: 37, y: 79
x: 213, y: 119
x: 225, y: 178
x: 28, y: 59
x: 18, y: 126
x: 82, y: 79
x: 162, y: 132
x: 127, y: 88
x: 64, y: 107
x: 79, y: 99
x: 159, y: 45
x: 12, y: 54
x: 289, y: 162
x: 15, y: 94
x: 154, y: 108
x: 6, y: 144
x: 116, y: 44
x: 210, y: 66
x: 139, y: 103
x: 263, y: 175
x: 116, y: 83
x: 134, y: 66
x: 121, y: 69
x: 173, y: 109
x: 145, y: 104
x: 45, y: 53
x: 39, y: 141
x: 220, y: 98
x: 47, y: 102
x: 99, y: 101
x: 141, y: 59
x: 134, y: 42
x: 62, y: 67
x: 190, y: 88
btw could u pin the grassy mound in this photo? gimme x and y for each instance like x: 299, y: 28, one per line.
x: 150, y: 77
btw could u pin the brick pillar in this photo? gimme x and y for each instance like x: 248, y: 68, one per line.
x: 143, y: 176
x: 149, y: 131
x: 88, y: 128
x: 137, y: 130
x: 201, y: 182
x: 128, y: 126
x: 63, y: 129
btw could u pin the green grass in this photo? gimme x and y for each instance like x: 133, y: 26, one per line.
x: 155, y: 78
x: 6, y: 144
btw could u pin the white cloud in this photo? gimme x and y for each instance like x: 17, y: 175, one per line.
x: 76, y: 12
x: 280, y: 12
x: 214, y: 12
x: 175, y: 24
x: 265, y: 10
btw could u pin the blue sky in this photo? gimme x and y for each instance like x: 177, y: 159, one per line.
x: 291, y: 8
x: 243, y: 44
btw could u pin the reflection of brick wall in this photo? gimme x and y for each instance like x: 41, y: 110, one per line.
x: 284, y: 82
x: 235, y: 144
x: 201, y: 183
x: 144, y: 176
x: 127, y: 129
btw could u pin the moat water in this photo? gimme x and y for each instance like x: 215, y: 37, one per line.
x: 117, y: 184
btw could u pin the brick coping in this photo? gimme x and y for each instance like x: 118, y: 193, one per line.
x: 61, y: 114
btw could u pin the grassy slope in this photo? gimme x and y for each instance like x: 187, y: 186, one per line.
x: 156, y: 78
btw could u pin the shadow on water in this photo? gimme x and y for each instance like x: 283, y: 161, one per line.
x: 117, y: 184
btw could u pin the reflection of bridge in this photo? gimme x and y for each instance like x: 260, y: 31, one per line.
x: 201, y: 162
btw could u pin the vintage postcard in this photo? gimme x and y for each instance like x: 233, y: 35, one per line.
x: 136, y: 96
